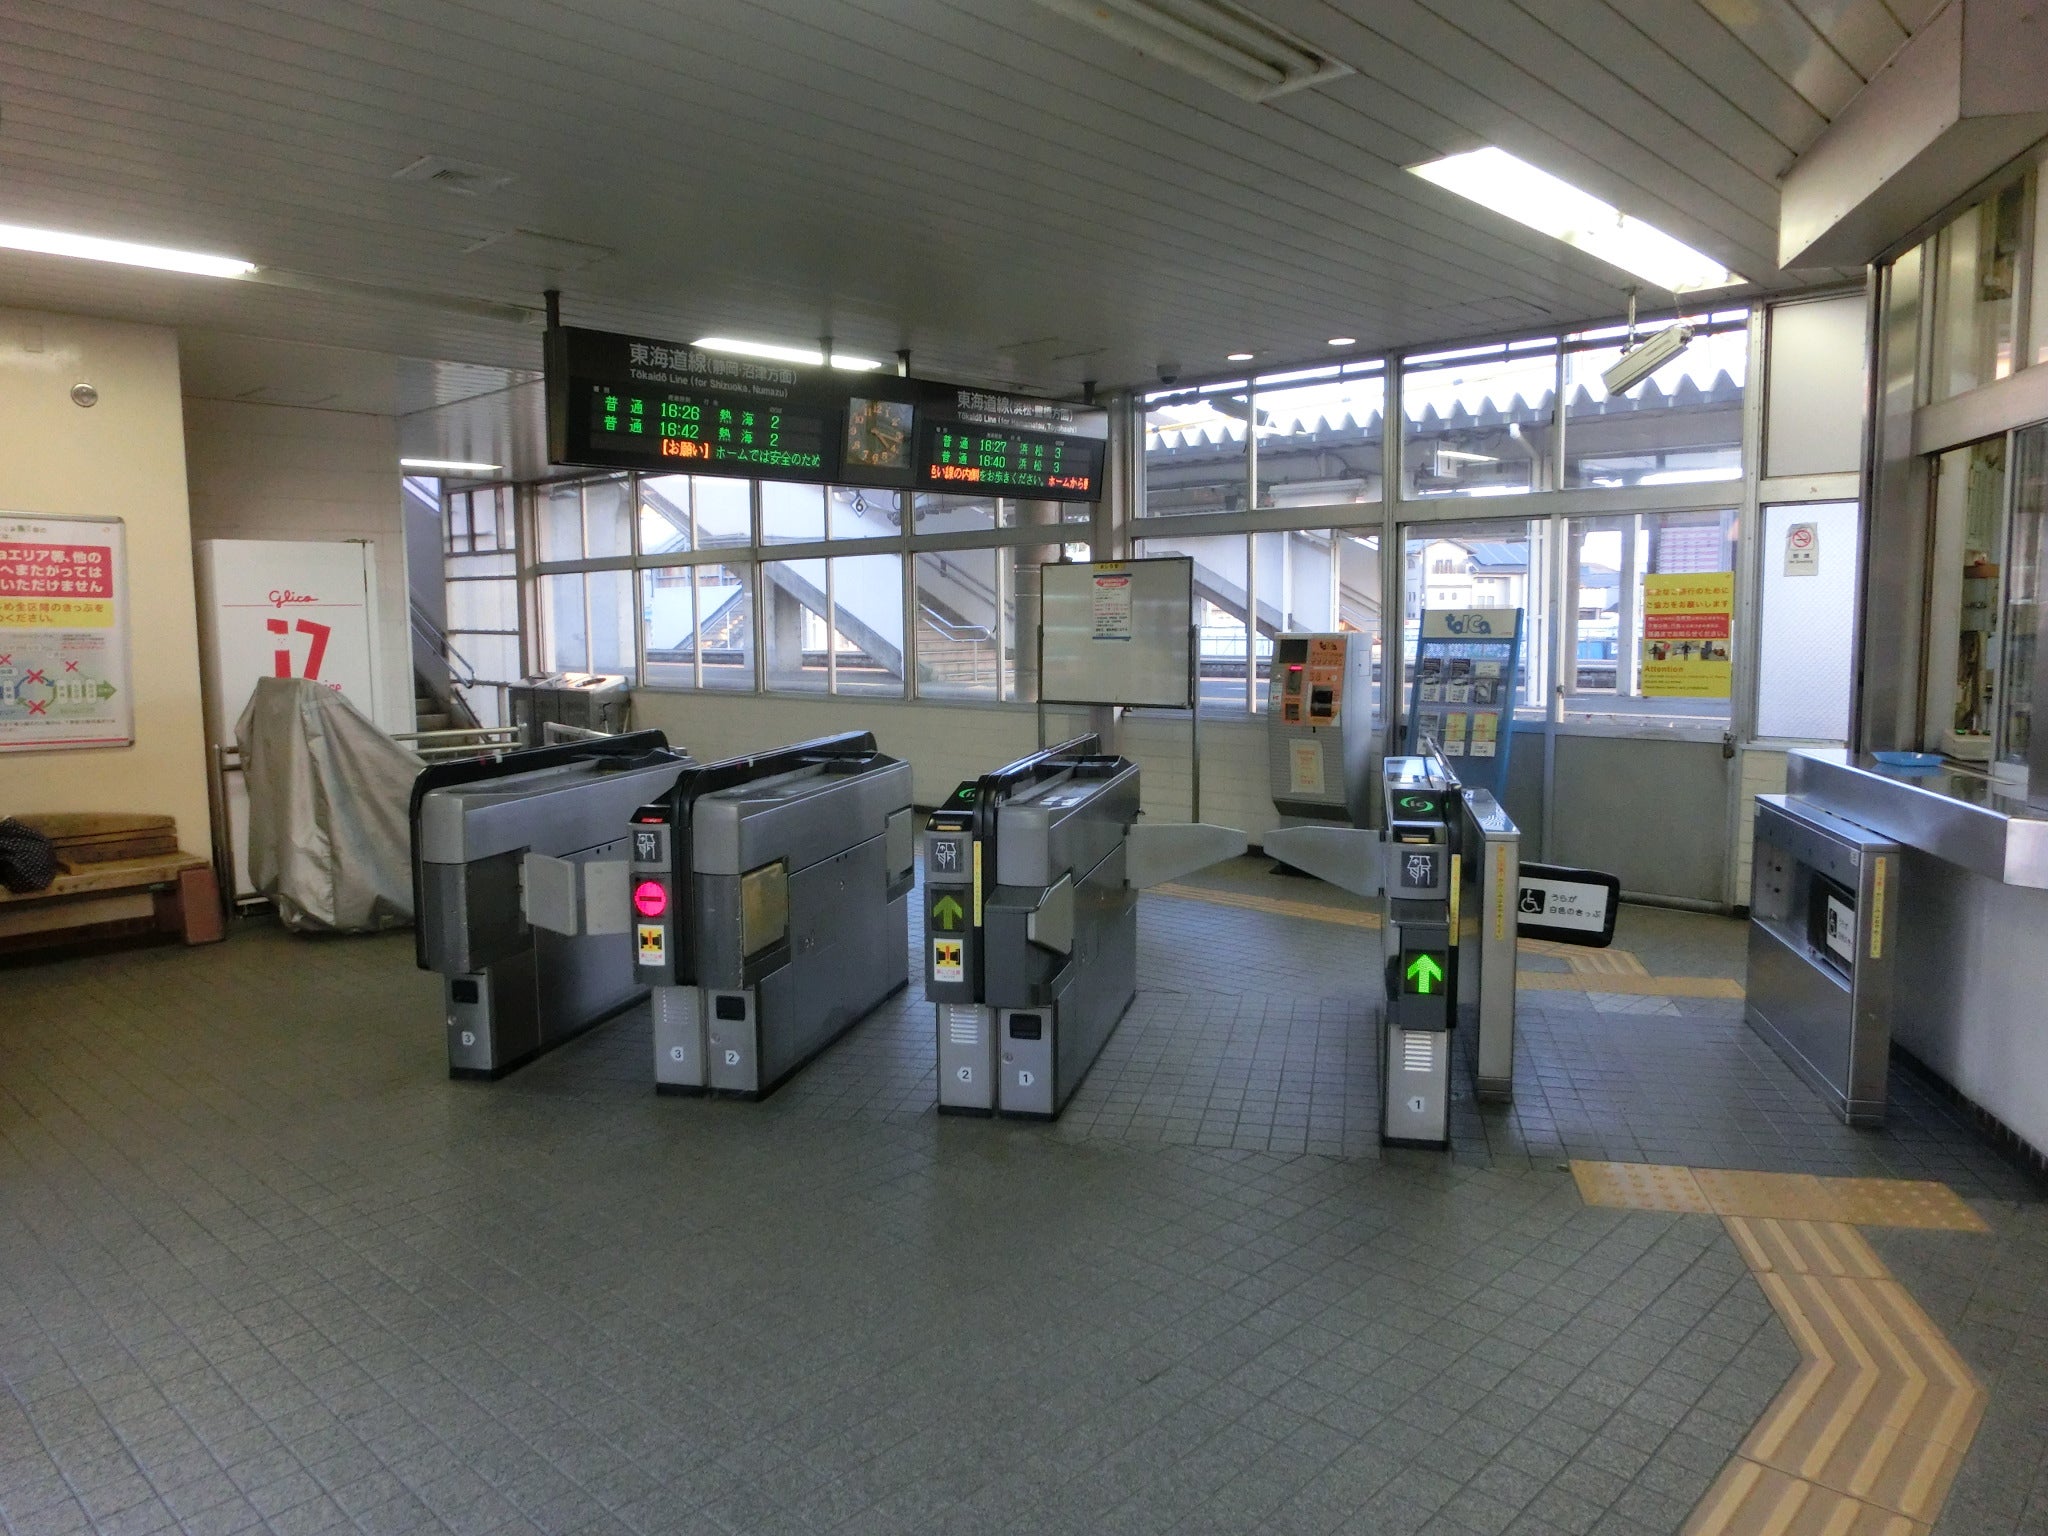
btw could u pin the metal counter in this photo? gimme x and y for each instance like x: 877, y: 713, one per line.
x: 1970, y: 922
x: 1955, y: 814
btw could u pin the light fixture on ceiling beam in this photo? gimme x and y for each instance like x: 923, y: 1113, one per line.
x: 1237, y: 357
x: 1343, y: 341
x: 1218, y: 41
x: 451, y: 466
x: 1514, y: 188
x: 780, y: 354
x: 57, y: 242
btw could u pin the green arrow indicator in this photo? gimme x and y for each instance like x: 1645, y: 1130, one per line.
x: 947, y: 912
x: 1423, y: 971
x: 108, y: 690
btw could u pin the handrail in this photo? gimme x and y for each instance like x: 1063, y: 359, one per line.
x: 427, y: 629
x: 952, y: 631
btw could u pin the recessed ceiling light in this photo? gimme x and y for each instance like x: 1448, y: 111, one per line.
x: 451, y: 466
x: 56, y: 242
x: 769, y: 349
x: 1237, y: 357
x: 1343, y: 341
x: 1497, y: 180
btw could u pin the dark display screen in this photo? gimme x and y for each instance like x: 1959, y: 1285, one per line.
x: 1026, y: 463
x: 699, y: 431
x: 629, y: 402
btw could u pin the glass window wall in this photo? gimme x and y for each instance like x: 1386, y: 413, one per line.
x: 1806, y: 621
x: 1320, y: 435
x: 1977, y: 293
x: 1680, y: 426
x: 1195, y: 455
x: 1479, y: 421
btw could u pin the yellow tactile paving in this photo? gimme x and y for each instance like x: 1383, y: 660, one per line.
x: 1640, y: 1187
x: 1308, y: 911
x: 1748, y: 1498
x: 1804, y: 1248
x: 1867, y: 1436
x: 1634, y: 986
x: 1605, y: 962
x: 1783, y: 1196
x: 1903, y: 1203
x: 1592, y: 970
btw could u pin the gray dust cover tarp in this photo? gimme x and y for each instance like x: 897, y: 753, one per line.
x: 330, y: 838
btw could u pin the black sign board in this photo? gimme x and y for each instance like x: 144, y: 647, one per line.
x: 1567, y: 906
x: 629, y: 402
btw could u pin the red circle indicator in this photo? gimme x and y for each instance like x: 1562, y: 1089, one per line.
x: 650, y: 898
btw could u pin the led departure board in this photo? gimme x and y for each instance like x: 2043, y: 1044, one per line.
x: 628, y: 402
x: 1030, y: 464
x: 698, y: 431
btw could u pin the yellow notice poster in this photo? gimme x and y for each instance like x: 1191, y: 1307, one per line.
x: 1686, y: 626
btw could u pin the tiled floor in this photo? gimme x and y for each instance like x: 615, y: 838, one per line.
x: 263, y: 1267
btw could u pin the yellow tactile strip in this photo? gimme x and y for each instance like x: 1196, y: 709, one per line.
x: 1792, y: 1196
x: 1592, y: 970
x: 1307, y: 911
x: 1866, y: 1437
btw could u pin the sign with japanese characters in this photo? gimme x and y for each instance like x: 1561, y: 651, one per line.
x: 1687, y: 623
x: 63, y: 633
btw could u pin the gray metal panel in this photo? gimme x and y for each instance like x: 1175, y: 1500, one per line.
x: 678, y: 1037
x: 1153, y: 666
x: 967, y: 1056
x: 1062, y: 825
x: 802, y: 816
x: 1488, y: 942
x: 1956, y: 815
x: 1834, y: 1029
x: 1653, y: 812
x: 547, y: 810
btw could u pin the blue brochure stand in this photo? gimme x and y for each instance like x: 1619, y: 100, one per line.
x: 1462, y: 691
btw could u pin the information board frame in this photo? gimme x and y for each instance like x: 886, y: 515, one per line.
x: 44, y: 664
x: 1118, y: 632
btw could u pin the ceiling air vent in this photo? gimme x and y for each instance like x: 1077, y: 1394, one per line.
x: 465, y: 178
x: 1215, y: 40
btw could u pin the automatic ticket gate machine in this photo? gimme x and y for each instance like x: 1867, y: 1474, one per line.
x: 769, y: 902
x: 1030, y: 933
x: 1420, y: 810
x: 518, y: 867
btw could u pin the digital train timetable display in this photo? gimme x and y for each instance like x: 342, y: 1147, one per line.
x: 1037, y: 465
x: 671, y: 429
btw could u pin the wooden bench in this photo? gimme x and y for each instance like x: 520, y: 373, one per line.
x: 118, y: 874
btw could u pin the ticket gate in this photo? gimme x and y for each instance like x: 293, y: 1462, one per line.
x: 501, y: 849
x: 769, y: 901
x: 1030, y: 933
x: 1459, y: 898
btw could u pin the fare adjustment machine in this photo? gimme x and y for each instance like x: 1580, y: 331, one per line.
x: 1419, y: 804
x: 1030, y: 933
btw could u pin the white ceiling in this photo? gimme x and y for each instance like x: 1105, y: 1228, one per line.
x: 1010, y: 196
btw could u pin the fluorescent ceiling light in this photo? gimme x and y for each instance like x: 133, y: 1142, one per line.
x: 1470, y: 458
x: 769, y: 350
x: 1343, y: 341
x: 1237, y: 357
x: 1495, y: 179
x: 451, y: 466
x: 55, y: 242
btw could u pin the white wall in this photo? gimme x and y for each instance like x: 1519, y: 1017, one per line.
x: 126, y: 457
x: 285, y: 472
x: 946, y: 743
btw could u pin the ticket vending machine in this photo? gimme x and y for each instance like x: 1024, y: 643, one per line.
x: 1319, y: 730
